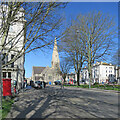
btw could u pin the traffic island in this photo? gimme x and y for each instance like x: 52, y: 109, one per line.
x: 99, y: 87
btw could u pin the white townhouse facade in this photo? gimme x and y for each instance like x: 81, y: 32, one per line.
x: 118, y: 78
x: 101, y: 73
x: 15, y: 70
x: 85, y: 75
x: 71, y: 76
x: 117, y: 73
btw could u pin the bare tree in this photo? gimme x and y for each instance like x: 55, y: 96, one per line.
x: 96, y: 32
x: 25, y: 26
x: 65, y: 66
x: 37, y: 20
x: 72, y: 46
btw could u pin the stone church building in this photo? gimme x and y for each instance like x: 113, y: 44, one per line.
x: 48, y: 74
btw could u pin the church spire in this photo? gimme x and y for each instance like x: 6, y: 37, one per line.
x: 55, y: 45
x: 55, y: 56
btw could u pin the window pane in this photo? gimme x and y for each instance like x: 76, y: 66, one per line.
x: 9, y: 74
x: 4, y: 74
x: 12, y: 64
x: 50, y: 77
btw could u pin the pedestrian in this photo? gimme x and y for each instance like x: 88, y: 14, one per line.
x: 24, y: 85
x: 44, y: 84
x: 15, y: 85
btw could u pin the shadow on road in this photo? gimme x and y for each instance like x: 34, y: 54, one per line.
x: 64, y: 103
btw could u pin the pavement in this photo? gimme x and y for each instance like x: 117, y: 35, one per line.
x: 70, y: 102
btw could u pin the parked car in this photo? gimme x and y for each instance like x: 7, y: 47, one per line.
x: 74, y: 81
x: 32, y: 83
x: 38, y: 84
x: 71, y: 81
x: 57, y: 82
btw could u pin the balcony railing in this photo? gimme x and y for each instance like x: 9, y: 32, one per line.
x: 9, y: 67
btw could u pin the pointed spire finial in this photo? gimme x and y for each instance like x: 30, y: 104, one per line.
x: 55, y: 41
x: 55, y: 56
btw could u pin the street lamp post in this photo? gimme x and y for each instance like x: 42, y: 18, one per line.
x: 89, y: 57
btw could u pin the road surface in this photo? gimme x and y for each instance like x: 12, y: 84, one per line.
x: 54, y: 102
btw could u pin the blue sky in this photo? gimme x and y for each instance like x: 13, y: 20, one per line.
x: 39, y: 58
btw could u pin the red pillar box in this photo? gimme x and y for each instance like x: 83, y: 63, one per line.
x: 7, y: 87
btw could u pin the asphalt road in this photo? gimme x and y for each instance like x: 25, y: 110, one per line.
x: 53, y: 102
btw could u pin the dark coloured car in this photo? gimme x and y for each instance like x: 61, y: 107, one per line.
x: 57, y: 83
x: 38, y: 84
x: 32, y: 83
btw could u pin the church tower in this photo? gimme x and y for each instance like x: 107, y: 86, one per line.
x: 55, y: 57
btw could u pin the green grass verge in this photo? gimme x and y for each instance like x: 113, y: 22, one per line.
x: 107, y: 87
x: 6, y: 106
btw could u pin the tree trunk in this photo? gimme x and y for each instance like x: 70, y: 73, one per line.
x: 64, y: 76
x: 78, y: 77
x: 90, y: 74
x: 64, y: 79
